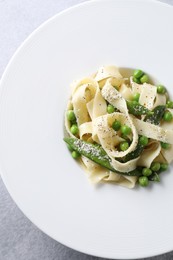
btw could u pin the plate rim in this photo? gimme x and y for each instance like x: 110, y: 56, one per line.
x: 22, y: 45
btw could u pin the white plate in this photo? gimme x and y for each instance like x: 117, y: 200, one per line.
x: 45, y: 182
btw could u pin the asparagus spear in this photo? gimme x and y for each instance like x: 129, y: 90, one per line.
x: 136, y: 109
x: 134, y: 154
x: 96, y: 154
x: 157, y: 115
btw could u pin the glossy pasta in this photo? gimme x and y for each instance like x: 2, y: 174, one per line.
x: 89, y: 100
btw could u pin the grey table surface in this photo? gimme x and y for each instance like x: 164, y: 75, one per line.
x: 19, y: 238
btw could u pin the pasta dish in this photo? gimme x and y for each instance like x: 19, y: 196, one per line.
x: 120, y: 129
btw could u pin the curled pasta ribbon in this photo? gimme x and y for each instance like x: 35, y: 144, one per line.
x: 109, y: 138
x: 106, y: 72
x: 88, y: 102
x: 153, y: 131
x: 97, y: 174
x: 150, y: 153
x: 109, y: 72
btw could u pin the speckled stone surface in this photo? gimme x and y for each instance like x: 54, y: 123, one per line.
x: 19, y: 238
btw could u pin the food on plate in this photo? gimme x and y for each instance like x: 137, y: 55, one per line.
x: 120, y: 129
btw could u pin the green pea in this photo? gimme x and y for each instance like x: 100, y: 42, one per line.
x: 71, y: 115
x: 136, y: 97
x: 74, y: 129
x: 144, y: 79
x: 163, y: 166
x: 124, y: 146
x: 146, y: 172
x: 165, y: 145
x: 110, y: 109
x: 167, y: 116
x: 125, y: 130
x: 143, y: 181
x: 155, y: 166
x: 69, y: 147
x: 138, y: 74
x: 116, y: 125
x: 169, y: 104
x: 75, y: 154
x: 161, y: 89
x: 136, y: 80
x: 143, y: 140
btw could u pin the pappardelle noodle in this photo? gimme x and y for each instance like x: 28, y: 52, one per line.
x: 120, y: 129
